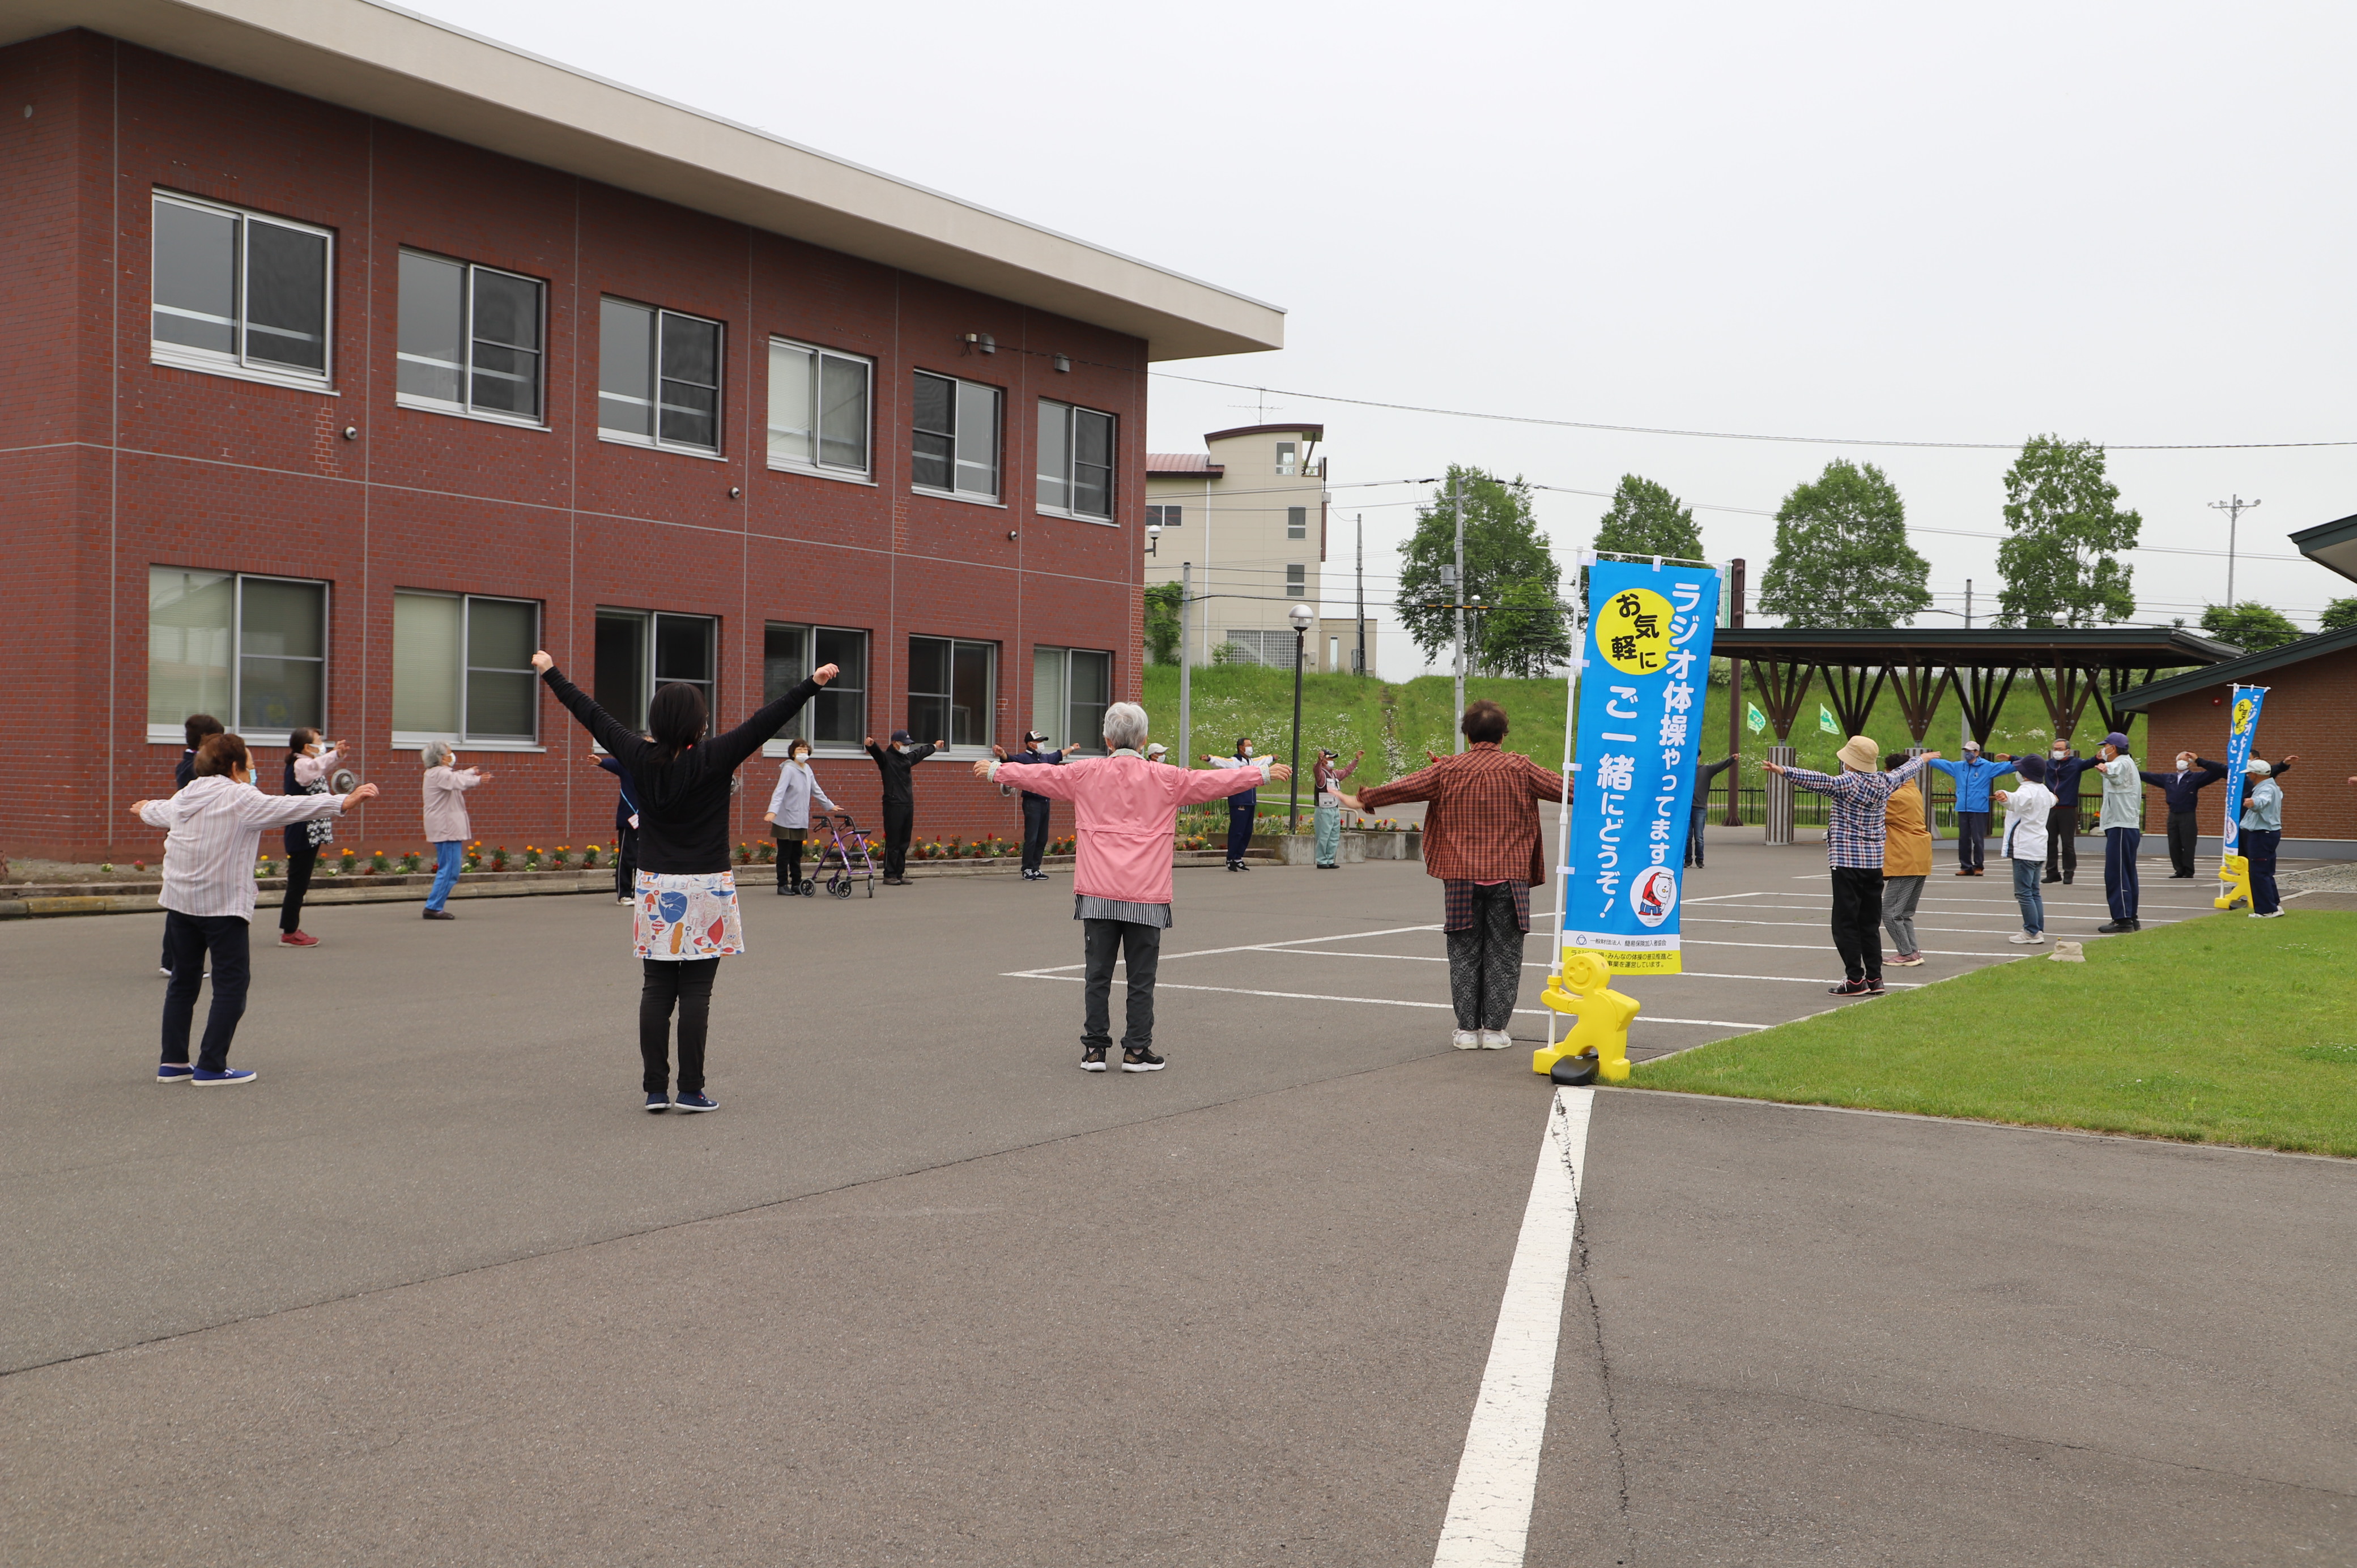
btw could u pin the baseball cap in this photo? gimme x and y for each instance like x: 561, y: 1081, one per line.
x: 902, y: 737
x: 1033, y: 737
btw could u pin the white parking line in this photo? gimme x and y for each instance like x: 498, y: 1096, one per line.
x: 1489, y: 1519
x: 1691, y: 974
x: 1367, y: 1001
x: 1806, y: 926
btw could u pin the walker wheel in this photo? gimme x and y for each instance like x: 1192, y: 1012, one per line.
x: 1578, y: 1069
x: 840, y: 887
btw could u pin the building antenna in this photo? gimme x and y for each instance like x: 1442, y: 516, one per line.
x: 2234, y: 509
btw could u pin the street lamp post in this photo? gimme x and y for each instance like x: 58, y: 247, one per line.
x: 1300, y: 615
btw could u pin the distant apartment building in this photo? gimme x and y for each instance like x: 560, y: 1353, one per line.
x: 1248, y: 515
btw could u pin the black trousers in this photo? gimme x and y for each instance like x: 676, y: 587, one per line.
x: 689, y: 985
x: 900, y: 822
x: 299, y: 867
x: 1242, y: 810
x: 2120, y: 887
x: 2184, y: 837
x: 1035, y: 832
x: 2062, y: 841
x: 626, y: 861
x: 1857, y: 919
x: 1140, y: 947
x: 2259, y: 846
x: 1485, y: 963
x: 1972, y: 827
x: 189, y: 938
x: 789, y: 861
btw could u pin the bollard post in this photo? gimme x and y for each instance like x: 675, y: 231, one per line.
x: 1780, y: 797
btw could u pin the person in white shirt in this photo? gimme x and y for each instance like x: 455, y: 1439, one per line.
x: 2028, y: 819
x: 216, y: 825
x: 789, y: 813
x: 309, y: 766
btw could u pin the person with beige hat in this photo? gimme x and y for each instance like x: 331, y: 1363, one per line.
x: 1854, y: 848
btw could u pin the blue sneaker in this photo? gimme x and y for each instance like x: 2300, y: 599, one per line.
x: 698, y: 1101
x: 657, y: 1104
x: 173, y: 1072
x: 204, y: 1078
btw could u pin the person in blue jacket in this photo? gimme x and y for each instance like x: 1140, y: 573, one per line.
x: 2182, y: 790
x: 2064, y: 765
x: 1243, y: 809
x: 626, y: 829
x: 1973, y: 774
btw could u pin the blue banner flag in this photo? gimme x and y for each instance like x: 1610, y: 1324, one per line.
x: 2247, y: 701
x: 1641, y: 687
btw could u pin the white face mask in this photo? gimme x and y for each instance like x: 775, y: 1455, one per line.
x: 900, y: 747
x: 2059, y: 753
x: 802, y: 757
x: 2185, y: 765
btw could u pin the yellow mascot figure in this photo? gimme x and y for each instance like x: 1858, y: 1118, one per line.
x: 1600, y: 1017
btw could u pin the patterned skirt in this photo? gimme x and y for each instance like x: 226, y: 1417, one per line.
x: 681, y: 917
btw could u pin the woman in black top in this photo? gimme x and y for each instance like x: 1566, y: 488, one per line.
x: 684, y: 905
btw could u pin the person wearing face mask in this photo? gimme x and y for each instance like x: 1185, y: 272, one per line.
x: 899, y: 798
x: 2121, y: 823
x: 2262, y: 833
x: 2193, y: 775
x: 1035, y: 806
x: 1243, y: 809
x: 2064, y: 765
x: 2028, y: 811
x: 789, y: 813
x: 308, y: 764
x: 1973, y: 774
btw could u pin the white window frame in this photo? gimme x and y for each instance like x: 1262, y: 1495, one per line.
x: 178, y: 734
x: 1077, y: 735
x: 649, y: 679
x: 1166, y: 514
x: 415, y: 740
x: 241, y: 364
x: 463, y: 407
x: 997, y: 496
x: 990, y: 716
x: 800, y: 727
x: 1070, y: 415
x: 1296, y: 522
x: 1297, y: 588
x: 654, y: 438
x: 819, y: 468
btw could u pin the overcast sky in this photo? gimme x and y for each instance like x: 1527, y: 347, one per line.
x: 2126, y: 223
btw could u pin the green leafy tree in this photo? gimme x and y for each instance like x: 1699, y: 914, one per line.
x: 1502, y: 546
x: 2341, y: 615
x: 1528, y: 632
x: 1162, y: 623
x: 1842, y: 556
x: 2058, y: 566
x: 1646, y: 520
x: 2250, y: 626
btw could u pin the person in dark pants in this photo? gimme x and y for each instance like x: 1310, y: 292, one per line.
x: 198, y: 728
x: 2063, y: 767
x: 899, y: 798
x: 1974, y: 775
x: 1855, y: 839
x: 626, y: 829
x: 1035, y: 807
x: 2121, y: 823
x: 308, y: 765
x: 1243, y: 809
x: 2261, y: 836
x: 2182, y: 790
x: 686, y: 916
x: 1703, y: 772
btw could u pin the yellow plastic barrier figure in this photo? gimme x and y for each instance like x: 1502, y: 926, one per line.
x: 2235, y: 871
x: 1601, y: 1015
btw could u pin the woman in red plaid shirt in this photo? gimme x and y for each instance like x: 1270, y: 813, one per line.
x: 1481, y: 839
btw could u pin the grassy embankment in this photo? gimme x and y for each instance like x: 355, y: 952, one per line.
x: 2222, y: 1030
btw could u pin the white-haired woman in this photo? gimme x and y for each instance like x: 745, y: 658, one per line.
x: 446, y: 827
x: 789, y: 815
x: 1125, y: 809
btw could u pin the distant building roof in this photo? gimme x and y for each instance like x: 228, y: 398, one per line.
x: 1306, y: 431
x: 2235, y: 671
x: 1192, y: 463
x: 2332, y: 546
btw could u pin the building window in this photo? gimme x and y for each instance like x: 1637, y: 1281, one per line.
x: 1163, y: 516
x: 639, y: 650
x: 818, y: 409
x: 956, y: 449
x: 251, y: 651
x: 1296, y: 522
x: 1296, y: 581
x: 1274, y: 648
x: 1288, y: 457
x: 658, y: 377
x: 462, y: 669
x: 1071, y: 688
x: 471, y: 339
x: 837, y: 717
x: 236, y: 290
x: 953, y: 689
x: 1075, y: 461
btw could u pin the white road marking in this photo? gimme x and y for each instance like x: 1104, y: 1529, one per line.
x: 1258, y: 947
x: 1160, y: 985
x: 1823, y: 948
x: 1805, y: 925
x: 1488, y: 1520
x: 1691, y: 974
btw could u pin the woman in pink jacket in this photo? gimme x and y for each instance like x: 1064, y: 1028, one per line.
x: 446, y: 827
x: 1125, y: 809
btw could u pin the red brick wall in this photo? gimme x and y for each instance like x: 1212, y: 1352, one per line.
x: 2311, y: 713
x: 109, y: 464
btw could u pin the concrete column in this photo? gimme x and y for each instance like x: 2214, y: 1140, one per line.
x: 1780, y: 797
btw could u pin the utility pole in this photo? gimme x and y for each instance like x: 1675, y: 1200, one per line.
x: 1457, y: 486
x: 1185, y: 668
x: 1734, y: 694
x: 1965, y: 722
x: 2234, y: 509
x: 1363, y: 593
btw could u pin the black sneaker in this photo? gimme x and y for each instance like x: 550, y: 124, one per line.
x: 2111, y: 928
x: 1874, y: 988
x: 1848, y: 988
x: 658, y: 1103
x: 1093, y: 1059
x: 1142, y: 1061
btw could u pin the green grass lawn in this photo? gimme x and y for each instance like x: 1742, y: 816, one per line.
x: 2222, y: 1029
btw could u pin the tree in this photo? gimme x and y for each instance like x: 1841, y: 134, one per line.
x: 2250, y: 626
x: 1162, y: 623
x: 2058, y: 566
x: 1842, y: 556
x: 1646, y: 520
x: 1502, y: 546
x: 1527, y: 633
x: 2341, y: 615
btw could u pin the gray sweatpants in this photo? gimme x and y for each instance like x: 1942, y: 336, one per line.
x: 1900, y: 896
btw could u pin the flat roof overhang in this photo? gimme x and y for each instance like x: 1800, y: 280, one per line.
x: 2116, y: 647
x: 2332, y: 546
x: 381, y: 60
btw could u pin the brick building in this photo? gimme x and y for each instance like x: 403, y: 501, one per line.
x: 355, y: 357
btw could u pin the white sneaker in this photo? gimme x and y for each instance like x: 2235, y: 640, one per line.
x: 2025, y: 939
x: 1466, y: 1039
x: 1496, y: 1039
x: 2270, y: 915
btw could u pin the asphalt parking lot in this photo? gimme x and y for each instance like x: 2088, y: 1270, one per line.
x: 435, y: 1290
